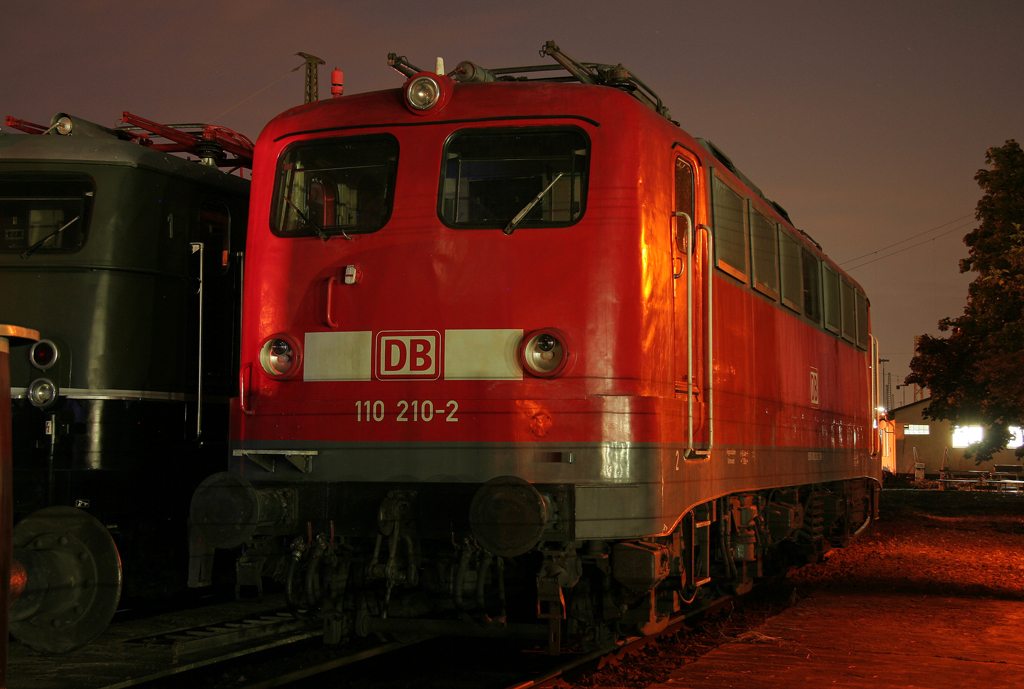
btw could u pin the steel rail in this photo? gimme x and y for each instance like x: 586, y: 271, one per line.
x: 333, y: 664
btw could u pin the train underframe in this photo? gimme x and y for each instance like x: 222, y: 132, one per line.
x: 405, y: 568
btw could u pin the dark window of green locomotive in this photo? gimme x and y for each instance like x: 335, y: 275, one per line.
x: 37, y: 206
x: 812, y: 285
x: 789, y: 260
x: 215, y: 233
x: 730, y: 229
x: 339, y: 186
x: 684, y: 202
x: 491, y: 175
x: 833, y: 300
x: 862, y: 320
x: 763, y: 234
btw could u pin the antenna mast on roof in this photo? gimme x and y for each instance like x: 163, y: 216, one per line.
x: 312, y: 84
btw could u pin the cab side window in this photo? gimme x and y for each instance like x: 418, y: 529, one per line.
x: 789, y: 260
x: 765, y: 261
x: 730, y: 229
x: 684, y: 201
x: 812, y: 285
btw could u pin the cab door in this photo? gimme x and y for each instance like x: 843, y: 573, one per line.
x: 690, y: 250
x: 212, y: 313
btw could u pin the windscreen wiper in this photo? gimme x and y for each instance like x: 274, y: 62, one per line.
x: 514, y: 223
x: 319, y: 230
x: 32, y: 249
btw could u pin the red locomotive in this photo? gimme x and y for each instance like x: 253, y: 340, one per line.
x: 520, y: 356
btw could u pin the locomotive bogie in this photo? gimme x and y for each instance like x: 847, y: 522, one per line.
x: 413, y: 556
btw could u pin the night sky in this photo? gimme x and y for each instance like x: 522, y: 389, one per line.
x: 867, y: 121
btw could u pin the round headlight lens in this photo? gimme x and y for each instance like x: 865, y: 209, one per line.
x: 42, y: 393
x: 43, y: 354
x: 279, y: 357
x: 544, y: 353
x: 64, y: 126
x: 422, y: 93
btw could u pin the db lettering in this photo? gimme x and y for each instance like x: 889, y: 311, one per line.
x: 408, y: 355
x: 412, y: 356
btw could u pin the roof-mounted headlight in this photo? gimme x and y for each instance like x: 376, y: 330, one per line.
x: 422, y: 93
x: 63, y: 126
x: 280, y: 356
x: 427, y: 93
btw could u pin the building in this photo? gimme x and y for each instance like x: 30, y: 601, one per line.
x: 938, y: 441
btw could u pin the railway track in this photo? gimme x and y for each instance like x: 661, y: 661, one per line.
x: 468, y: 664
x: 143, y: 651
x: 233, y: 645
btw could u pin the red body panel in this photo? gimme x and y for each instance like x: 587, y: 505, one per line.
x: 606, y: 282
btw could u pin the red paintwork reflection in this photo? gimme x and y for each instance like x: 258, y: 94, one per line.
x: 607, y: 281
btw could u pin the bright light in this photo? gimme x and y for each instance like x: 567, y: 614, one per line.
x: 1016, y: 438
x: 967, y: 435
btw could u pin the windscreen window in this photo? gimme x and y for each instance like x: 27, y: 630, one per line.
x: 335, y: 186
x: 491, y: 175
x: 44, y: 214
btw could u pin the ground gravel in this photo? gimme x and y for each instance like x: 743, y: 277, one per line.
x: 926, y: 542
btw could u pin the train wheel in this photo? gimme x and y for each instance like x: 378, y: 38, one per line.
x: 72, y: 580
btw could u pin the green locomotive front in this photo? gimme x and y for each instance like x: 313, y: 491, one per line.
x: 127, y: 260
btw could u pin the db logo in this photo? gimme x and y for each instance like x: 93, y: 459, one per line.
x: 408, y: 355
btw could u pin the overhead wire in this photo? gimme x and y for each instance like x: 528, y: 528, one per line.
x: 253, y: 95
x: 201, y: 78
x: 919, y: 234
x: 908, y: 248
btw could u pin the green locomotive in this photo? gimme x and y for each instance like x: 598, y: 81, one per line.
x: 128, y: 261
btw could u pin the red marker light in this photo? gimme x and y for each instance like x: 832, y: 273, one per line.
x: 43, y: 354
x: 337, y: 82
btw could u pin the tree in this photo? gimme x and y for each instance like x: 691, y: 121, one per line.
x: 976, y: 374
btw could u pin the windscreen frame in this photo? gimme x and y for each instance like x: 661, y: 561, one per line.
x: 345, y: 218
x: 449, y: 208
x: 62, y: 182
